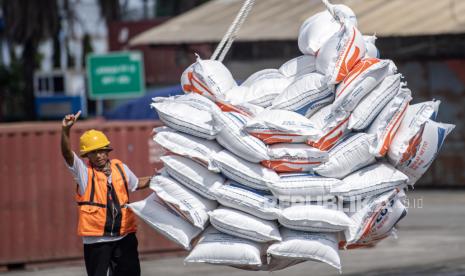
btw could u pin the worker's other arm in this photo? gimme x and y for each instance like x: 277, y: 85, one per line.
x: 144, y: 182
x: 66, y: 124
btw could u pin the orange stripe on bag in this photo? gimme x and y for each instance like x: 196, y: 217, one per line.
x: 279, y: 166
x: 358, y: 69
x: 390, y: 135
x: 324, y: 143
x: 187, y: 88
x: 271, y: 138
x: 412, y: 146
x: 353, y: 59
x: 343, y: 71
x: 193, y: 88
x: 329, y: 143
x: 194, y: 81
x: 225, y: 107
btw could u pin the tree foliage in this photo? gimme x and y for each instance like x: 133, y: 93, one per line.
x: 30, y: 21
x: 110, y: 10
x: 27, y: 23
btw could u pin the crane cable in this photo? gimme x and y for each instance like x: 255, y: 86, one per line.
x: 225, y: 43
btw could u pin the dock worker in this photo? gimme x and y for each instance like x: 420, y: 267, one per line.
x: 106, y: 224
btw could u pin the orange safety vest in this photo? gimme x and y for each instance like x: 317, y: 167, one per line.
x: 104, y: 211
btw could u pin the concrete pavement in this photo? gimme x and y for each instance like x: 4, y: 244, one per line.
x: 431, y: 241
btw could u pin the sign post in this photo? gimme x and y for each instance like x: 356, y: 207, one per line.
x: 115, y: 75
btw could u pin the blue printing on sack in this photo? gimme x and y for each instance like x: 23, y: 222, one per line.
x: 250, y: 189
x: 364, y: 125
x: 238, y: 118
x: 441, y: 139
x: 296, y: 175
x: 309, y: 105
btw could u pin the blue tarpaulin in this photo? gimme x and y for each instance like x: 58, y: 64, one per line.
x: 139, y: 109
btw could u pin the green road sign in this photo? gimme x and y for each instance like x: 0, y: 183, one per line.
x: 115, y: 75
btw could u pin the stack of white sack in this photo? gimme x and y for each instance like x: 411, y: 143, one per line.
x: 296, y: 162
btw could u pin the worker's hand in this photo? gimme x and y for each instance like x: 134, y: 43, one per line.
x: 70, y: 119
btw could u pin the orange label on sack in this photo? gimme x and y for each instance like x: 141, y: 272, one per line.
x: 187, y: 88
x: 279, y: 166
x: 225, y: 107
x: 272, y: 138
x: 329, y: 140
x: 358, y: 69
x: 392, y: 131
x: 196, y: 82
x: 413, y: 146
x: 348, y: 63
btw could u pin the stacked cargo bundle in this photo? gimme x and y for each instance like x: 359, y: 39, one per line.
x: 295, y: 163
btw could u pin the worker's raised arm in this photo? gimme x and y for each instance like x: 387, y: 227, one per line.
x: 66, y: 124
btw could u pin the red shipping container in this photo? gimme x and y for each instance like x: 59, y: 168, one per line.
x: 38, y: 211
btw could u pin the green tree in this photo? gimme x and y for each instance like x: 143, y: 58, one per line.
x: 110, y: 10
x: 172, y: 8
x: 27, y: 23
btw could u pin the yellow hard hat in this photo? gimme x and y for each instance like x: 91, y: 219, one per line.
x: 93, y: 140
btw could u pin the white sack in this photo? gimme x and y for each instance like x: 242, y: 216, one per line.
x: 236, y: 95
x: 296, y: 152
x: 370, y: 46
x: 305, y: 95
x: 388, y: 121
x: 348, y: 155
x: 317, y: 29
x: 215, y: 247
x: 165, y: 221
x: 243, y: 225
x: 298, y: 66
x: 427, y: 146
x: 340, y: 53
x: 376, y: 219
x: 407, y: 137
x: 367, y: 110
x: 264, y: 90
x: 192, y: 175
x: 264, y: 73
x: 273, y: 126
x: 314, y: 218
x: 244, y: 108
x: 372, y: 180
x: 197, y: 149
x: 211, y: 78
x: 320, y: 247
x: 300, y: 187
x: 258, y: 203
x: 244, y: 172
x: 198, y: 101
x: 234, y: 138
x: 294, y: 157
x: 360, y: 81
x: 185, y: 118
x: 189, y: 205
x: 333, y: 126
x: 219, y: 104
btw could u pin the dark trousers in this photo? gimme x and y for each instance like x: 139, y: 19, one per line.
x: 119, y: 257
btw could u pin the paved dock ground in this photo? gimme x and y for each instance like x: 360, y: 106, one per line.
x: 431, y: 241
